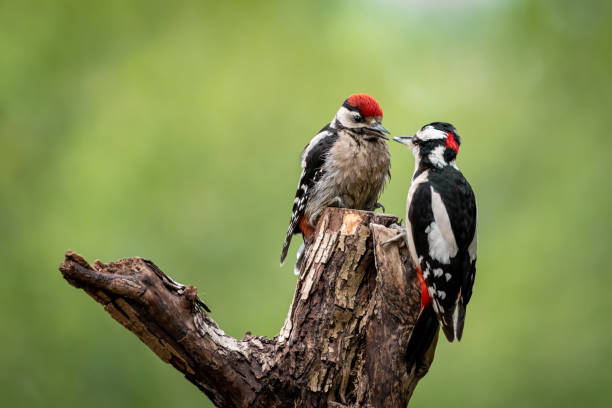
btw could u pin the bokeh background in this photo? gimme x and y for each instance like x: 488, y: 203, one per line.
x: 172, y: 132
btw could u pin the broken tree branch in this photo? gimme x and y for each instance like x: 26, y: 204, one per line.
x: 343, y: 342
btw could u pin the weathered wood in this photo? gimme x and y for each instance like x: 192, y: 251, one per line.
x: 343, y: 343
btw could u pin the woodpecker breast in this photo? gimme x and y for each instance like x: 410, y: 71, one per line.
x: 356, y: 170
x: 337, y: 164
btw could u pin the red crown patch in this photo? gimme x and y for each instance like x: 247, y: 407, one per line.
x: 451, y: 142
x: 366, y: 104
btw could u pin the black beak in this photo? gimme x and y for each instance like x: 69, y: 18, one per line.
x: 379, y: 130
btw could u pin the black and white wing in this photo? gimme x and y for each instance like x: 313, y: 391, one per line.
x: 442, y: 216
x: 313, y: 157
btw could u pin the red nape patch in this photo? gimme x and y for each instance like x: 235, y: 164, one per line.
x: 425, y: 299
x: 451, y: 142
x: 306, y: 228
x: 366, y: 104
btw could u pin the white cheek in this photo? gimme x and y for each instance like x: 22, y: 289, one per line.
x: 437, y: 157
x: 430, y: 133
x: 346, y: 119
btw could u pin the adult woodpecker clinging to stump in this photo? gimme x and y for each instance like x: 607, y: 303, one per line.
x: 440, y: 233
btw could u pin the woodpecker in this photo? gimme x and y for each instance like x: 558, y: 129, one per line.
x: 441, y: 218
x: 346, y: 165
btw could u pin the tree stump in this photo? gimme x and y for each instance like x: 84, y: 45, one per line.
x: 343, y: 343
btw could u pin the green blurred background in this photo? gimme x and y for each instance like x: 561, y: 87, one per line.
x: 172, y: 132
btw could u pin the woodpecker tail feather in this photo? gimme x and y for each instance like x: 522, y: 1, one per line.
x: 423, y: 333
x: 465, y: 293
x: 295, y: 219
x: 286, y: 244
x: 452, y: 321
x: 460, y: 318
x: 448, y: 323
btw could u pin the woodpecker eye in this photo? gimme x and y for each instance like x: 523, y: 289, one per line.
x: 357, y: 117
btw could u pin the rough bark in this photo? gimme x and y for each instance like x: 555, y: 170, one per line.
x: 343, y: 343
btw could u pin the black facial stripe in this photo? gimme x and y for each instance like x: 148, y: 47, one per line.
x: 449, y: 155
x: 350, y: 107
x: 355, y: 138
x: 427, y: 146
x: 372, y: 139
x: 365, y: 133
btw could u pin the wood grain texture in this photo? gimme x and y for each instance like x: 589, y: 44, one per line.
x: 343, y: 343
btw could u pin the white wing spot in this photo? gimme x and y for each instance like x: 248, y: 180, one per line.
x: 442, y: 244
x: 447, y: 276
x: 442, y: 294
x: 437, y: 272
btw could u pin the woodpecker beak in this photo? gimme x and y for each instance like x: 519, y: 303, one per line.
x: 379, y: 130
x: 405, y: 140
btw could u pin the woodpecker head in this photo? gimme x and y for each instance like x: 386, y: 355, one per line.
x: 436, y: 144
x: 362, y: 115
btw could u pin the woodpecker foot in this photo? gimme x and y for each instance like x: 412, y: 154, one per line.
x: 379, y: 205
x: 335, y: 202
x: 315, y: 216
x: 402, y: 234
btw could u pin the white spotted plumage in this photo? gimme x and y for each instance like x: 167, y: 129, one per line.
x: 441, y: 224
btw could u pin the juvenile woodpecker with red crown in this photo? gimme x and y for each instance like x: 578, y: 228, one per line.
x: 345, y: 165
x: 440, y: 234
